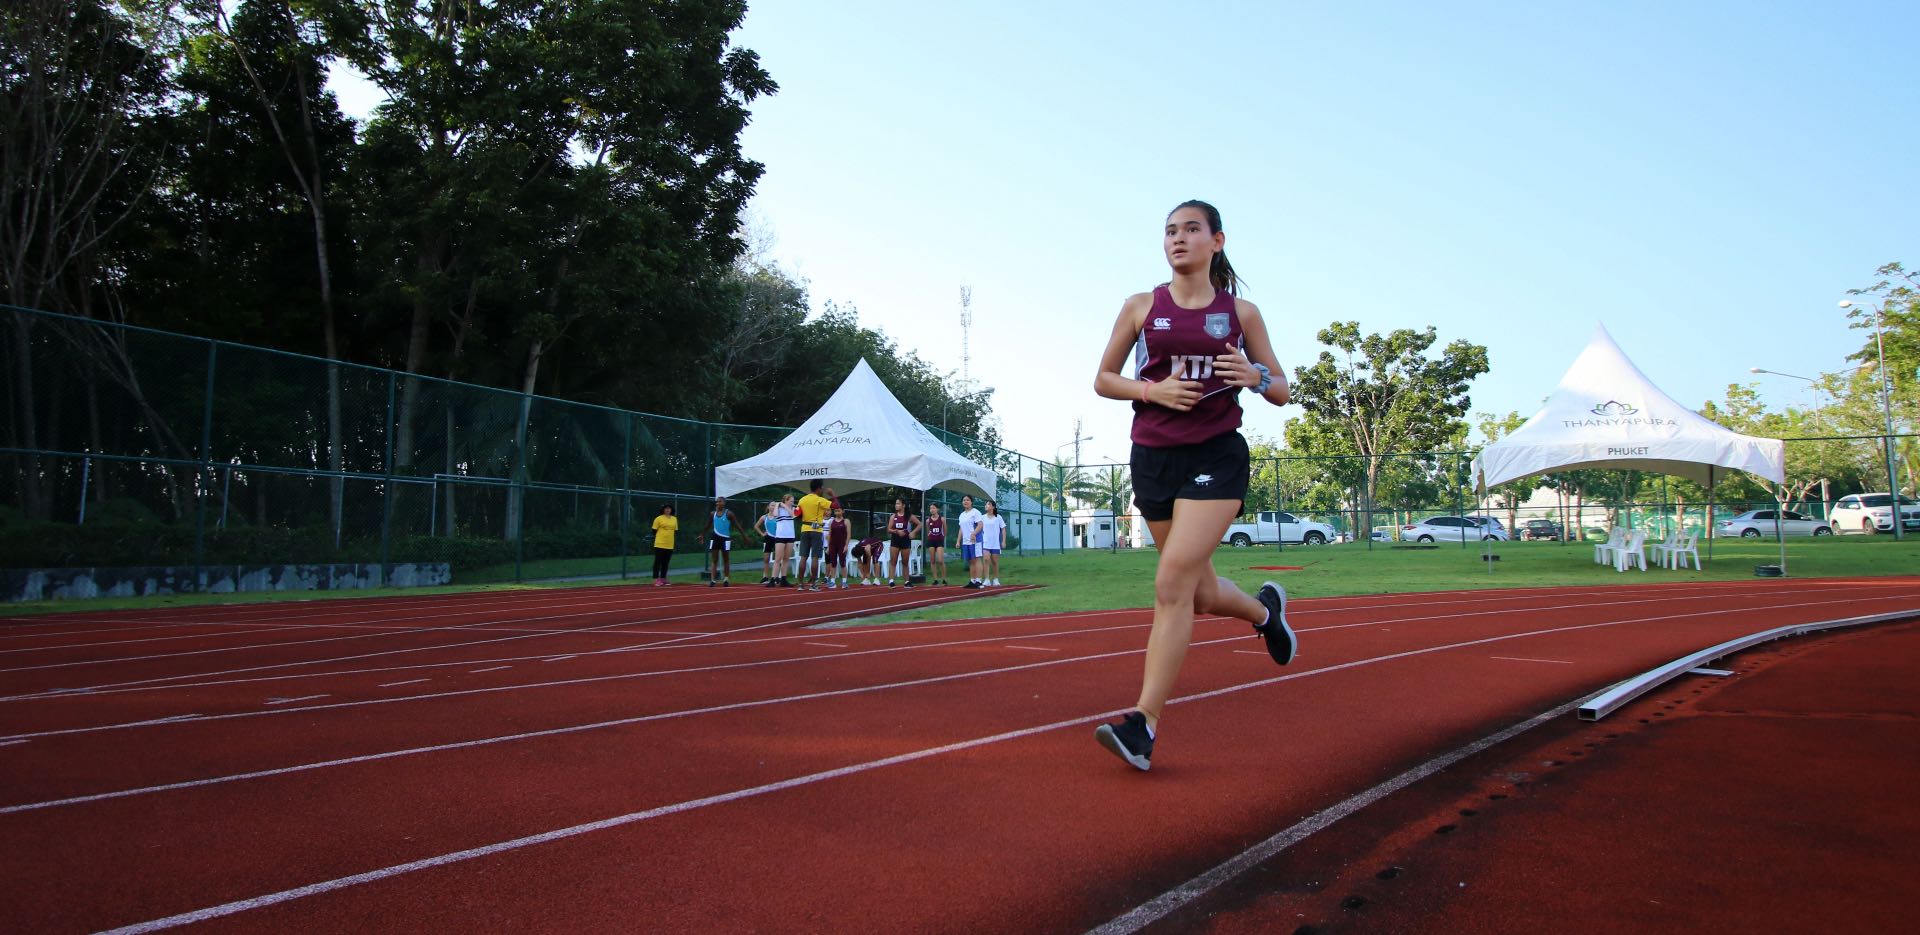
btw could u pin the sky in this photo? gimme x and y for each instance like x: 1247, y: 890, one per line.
x: 1704, y: 179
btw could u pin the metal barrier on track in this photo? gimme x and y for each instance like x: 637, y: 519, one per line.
x: 1613, y: 698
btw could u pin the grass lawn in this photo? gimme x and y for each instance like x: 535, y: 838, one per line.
x: 1097, y: 580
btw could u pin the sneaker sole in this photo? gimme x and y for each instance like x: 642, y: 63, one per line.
x: 1291, y: 642
x: 1104, y: 733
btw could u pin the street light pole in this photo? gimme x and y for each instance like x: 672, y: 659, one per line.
x: 1819, y: 393
x: 1886, y: 412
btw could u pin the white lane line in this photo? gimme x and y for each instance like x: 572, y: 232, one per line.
x: 718, y: 667
x: 313, y: 889
x: 9, y: 743
x: 828, y: 645
x: 623, y: 606
x: 1037, y: 649
x: 1253, y: 652
x: 872, y: 632
x: 883, y: 608
x: 811, y: 696
x: 407, y: 682
x: 268, y: 701
x: 174, y: 681
x: 1562, y: 662
x: 1157, y: 908
x: 147, y: 639
x: 494, y: 669
x: 632, y: 675
x: 560, y: 658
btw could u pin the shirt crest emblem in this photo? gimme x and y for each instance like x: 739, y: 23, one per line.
x: 1217, y: 326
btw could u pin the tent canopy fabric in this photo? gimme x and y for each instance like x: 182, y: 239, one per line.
x: 860, y: 439
x: 1605, y: 413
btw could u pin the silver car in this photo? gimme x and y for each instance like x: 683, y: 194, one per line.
x: 1756, y: 523
x: 1453, y: 529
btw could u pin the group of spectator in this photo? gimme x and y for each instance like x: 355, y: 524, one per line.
x: 817, y: 530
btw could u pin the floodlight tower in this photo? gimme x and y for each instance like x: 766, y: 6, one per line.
x: 966, y: 326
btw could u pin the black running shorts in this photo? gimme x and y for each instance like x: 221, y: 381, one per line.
x: 1215, y: 469
x: 719, y: 543
x: 810, y: 545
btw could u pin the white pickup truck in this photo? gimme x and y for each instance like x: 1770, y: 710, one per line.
x: 1271, y: 527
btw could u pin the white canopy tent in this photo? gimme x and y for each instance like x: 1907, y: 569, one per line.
x: 860, y: 439
x: 1605, y: 413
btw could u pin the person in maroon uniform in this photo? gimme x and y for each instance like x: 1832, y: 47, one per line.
x: 1196, y: 344
x: 902, y: 527
x: 936, y: 545
x: 837, y: 531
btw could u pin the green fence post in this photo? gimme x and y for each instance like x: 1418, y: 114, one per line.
x: 1459, y: 501
x: 626, y: 493
x: 206, y: 470
x: 386, y: 505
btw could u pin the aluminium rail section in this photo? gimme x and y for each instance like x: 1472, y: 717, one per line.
x: 1613, y: 698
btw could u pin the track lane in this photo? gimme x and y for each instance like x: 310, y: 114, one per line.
x: 845, y: 732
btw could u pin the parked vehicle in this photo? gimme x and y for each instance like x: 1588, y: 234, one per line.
x: 1270, y: 527
x: 1453, y: 529
x: 1382, y: 533
x: 1756, y: 523
x: 1540, y: 529
x: 1873, y: 512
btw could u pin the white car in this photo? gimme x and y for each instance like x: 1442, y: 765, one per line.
x: 1756, y: 523
x: 1270, y: 527
x: 1873, y: 512
x: 1453, y: 529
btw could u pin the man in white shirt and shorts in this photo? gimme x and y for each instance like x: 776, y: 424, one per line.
x: 969, y: 522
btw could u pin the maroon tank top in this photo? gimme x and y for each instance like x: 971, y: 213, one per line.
x: 899, y: 525
x: 936, y: 527
x: 1181, y: 343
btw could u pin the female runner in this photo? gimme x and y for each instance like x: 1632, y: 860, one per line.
x: 1196, y: 344
x: 901, y: 528
x: 936, y: 545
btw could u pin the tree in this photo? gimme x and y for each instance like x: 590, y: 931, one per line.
x: 1385, y: 395
x: 1111, y: 489
x: 1513, y: 493
x: 1056, y: 485
x: 542, y: 173
x: 260, y: 80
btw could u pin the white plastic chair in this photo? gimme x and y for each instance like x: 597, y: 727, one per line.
x: 1633, y: 551
x: 913, y: 558
x: 1675, y: 555
x: 1605, y: 552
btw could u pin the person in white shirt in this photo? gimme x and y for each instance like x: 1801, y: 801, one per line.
x: 993, y: 535
x: 969, y: 524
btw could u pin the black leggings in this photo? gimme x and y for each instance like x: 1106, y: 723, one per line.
x: 660, y: 559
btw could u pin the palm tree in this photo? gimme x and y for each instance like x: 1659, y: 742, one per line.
x: 1056, y: 483
x: 1112, y: 489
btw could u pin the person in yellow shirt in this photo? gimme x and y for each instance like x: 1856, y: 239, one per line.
x: 813, y: 514
x: 664, y: 526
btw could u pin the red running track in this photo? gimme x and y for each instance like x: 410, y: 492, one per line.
x: 613, y: 759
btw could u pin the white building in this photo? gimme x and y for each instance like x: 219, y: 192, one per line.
x: 1092, y: 529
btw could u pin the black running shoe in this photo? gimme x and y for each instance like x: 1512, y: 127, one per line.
x: 1128, y: 739
x: 1282, y: 645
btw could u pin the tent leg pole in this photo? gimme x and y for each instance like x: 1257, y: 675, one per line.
x: 1780, y: 528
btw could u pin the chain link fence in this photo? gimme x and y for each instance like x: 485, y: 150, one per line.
x: 126, y: 446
